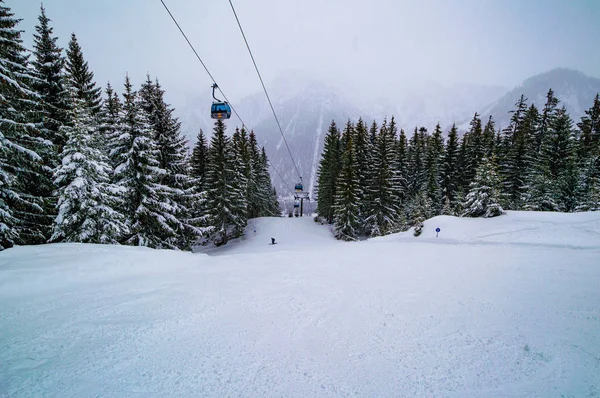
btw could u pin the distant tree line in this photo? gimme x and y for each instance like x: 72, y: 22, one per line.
x: 77, y: 166
x: 375, y: 181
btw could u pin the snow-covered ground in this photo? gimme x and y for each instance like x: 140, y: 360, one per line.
x: 505, y: 307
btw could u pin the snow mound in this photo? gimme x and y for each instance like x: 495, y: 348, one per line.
x: 541, y: 229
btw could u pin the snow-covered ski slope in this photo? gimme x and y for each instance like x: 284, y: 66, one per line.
x: 505, y: 307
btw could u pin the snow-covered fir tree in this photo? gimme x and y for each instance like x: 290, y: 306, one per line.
x: 262, y: 199
x: 269, y: 203
x: 328, y: 172
x: 435, y: 157
x: 450, y: 172
x: 88, y: 204
x: 474, y: 149
x: 82, y: 78
x: 198, y: 158
x: 197, y: 172
x: 402, y: 170
x: 362, y: 154
x: 489, y: 138
x: 346, y: 217
x: 109, y: 123
x: 150, y: 215
x: 175, y: 183
x: 384, y: 214
x: 589, y: 188
x: 417, y: 171
x: 48, y: 64
x: 483, y: 199
x: 225, y: 200
x: 21, y: 144
x: 515, y: 160
x: 243, y: 176
x: 422, y: 209
x: 589, y: 127
x: 49, y: 116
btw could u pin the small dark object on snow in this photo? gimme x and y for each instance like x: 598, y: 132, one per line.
x: 273, y: 241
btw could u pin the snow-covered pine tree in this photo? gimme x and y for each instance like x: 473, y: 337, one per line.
x: 483, y: 199
x: 361, y: 151
x: 21, y: 146
x: 367, y: 200
x: 257, y: 186
x: 447, y: 209
x: 49, y: 116
x: 489, y: 138
x: 87, y: 201
x: 109, y: 120
x: 547, y: 118
x: 399, y: 175
x: 588, y: 153
x: 80, y: 75
x: 48, y: 64
x: 540, y: 190
x: 224, y: 199
x: 450, y: 171
x: 402, y: 168
x: 383, y: 215
x: 177, y: 186
x: 346, y: 216
x: 589, y: 189
x: 244, y: 173
x: 422, y: 209
x: 150, y: 217
x: 558, y: 143
x: 416, y: 170
x: 199, y: 157
x: 560, y: 152
x: 434, y: 159
x: 269, y: 205
x: 328, y: 172
x: 197, y: 172
x: 517, y: 152
x: 589, y: 137
x: 475, y: 149
x: 262, y: 199
x: 462, y: 162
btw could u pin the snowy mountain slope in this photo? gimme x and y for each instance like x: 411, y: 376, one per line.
x: 574, y: 89
x: 395, y: 316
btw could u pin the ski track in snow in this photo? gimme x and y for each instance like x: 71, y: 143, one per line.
x: 505, y: 307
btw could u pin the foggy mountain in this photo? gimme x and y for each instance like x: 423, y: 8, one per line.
x: 574, y: 89
x: 305, y: 108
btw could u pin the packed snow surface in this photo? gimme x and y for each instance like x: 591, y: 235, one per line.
x: 503, y: 307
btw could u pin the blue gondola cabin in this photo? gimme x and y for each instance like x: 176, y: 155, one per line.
x: 220, y: 110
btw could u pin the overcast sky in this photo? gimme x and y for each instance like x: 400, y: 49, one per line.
x: 374, y: 46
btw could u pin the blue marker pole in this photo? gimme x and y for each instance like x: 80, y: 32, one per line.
x: 437, y: 231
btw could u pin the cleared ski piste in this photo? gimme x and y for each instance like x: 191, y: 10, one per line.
x: 504, y: 307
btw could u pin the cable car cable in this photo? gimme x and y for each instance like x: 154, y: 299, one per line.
x: 285, y: 184
x: 200, y: 59
x: 265, y: 89
x: 221, y: 91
